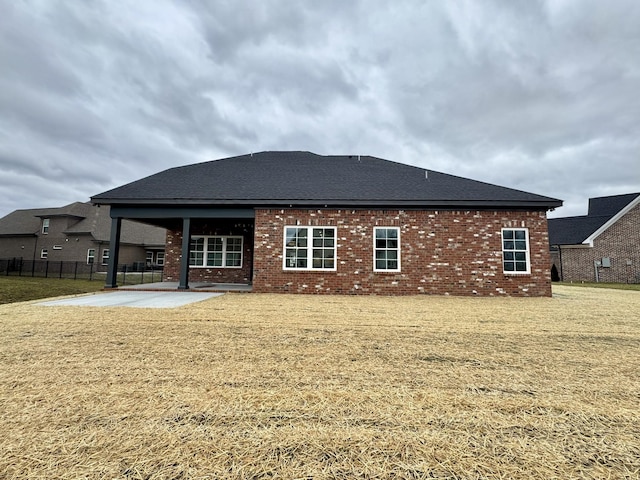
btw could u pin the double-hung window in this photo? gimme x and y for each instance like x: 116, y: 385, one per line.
x: 310, y: 248
x: 515, y: 250
x: 91, y: 255
x: 45, y: 226
x: 386, y: 249
x: 216, y: 251
x: 105, y: 256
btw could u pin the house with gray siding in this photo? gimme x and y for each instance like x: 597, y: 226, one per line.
x: 78, y: 232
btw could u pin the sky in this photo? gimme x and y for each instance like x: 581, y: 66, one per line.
x: 541, y: 96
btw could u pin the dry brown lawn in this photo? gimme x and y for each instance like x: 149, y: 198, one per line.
x: 282, y: 386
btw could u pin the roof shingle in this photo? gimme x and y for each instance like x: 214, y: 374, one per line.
x: 304, y: 178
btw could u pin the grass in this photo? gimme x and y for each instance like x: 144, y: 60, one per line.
x: 290, y: 386
x: 617, y: 286
x: 21, y: 289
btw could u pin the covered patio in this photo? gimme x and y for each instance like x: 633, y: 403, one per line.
x: 182, y: 223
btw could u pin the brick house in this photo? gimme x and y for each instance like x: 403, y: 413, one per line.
x: 305, y: 223
x: 78, y: 232
x: 602, y: 246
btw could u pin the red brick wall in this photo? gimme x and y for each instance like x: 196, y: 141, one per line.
x: 442, y: 252
x: 620, y: 243
x: 212, y: 275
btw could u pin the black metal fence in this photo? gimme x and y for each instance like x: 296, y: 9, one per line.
x: 130, y: 274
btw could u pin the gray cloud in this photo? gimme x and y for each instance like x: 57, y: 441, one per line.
x: 535, y: 95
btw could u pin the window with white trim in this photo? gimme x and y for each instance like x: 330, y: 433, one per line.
x: 386, y: 249
x: 309, y: 248
x: 91, y: 256
x: 105, y: 256
x: 45, y: 226
x: 44, y: 253
x: 160, y: 259
x: 515, y: 250
x: 215, y: 251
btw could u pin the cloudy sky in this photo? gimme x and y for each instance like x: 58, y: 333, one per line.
x: 543, y: 96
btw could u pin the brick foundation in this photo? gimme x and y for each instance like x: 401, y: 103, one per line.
x: 442, y: 252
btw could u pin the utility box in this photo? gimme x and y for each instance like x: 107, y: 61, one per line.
x: 606, y: 262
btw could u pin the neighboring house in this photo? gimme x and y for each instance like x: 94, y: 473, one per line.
x: 79, y: 232
x: 306, y: 223
x: 602, y: 246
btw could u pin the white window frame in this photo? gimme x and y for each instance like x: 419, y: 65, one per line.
x: 516, y: 251
x: 160, y: 256
x: 45, y: 226
x: 91, y: 256
x: 105, y: 256
x: 44, y: 253
x: 308, y: 249
x: 225, y: 251
x: 377, y: 248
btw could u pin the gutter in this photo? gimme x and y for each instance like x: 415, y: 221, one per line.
x: 334, y: 203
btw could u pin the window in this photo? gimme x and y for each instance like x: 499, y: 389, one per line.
x: 386, y: 249
x: 160, y: 259
x: 44, y: 253
x: 105, y: 256
x: 219, y: 252
x: 515, y: 250
x: 91, y: 255
x: 310, y: 248
x: 45, y: 226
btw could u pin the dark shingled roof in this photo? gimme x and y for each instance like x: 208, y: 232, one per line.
x: 304, y: 178
x: 575, y: 230
x: 20, y: 223
x: 609, y: 206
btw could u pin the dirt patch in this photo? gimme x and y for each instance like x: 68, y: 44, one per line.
x: 282, y: 386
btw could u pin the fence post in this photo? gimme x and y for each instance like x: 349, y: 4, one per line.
x: 75, y: 271
x: 19, y: 270
x: 60, y: 269
x: 46, y: 269
x: 90, y: 271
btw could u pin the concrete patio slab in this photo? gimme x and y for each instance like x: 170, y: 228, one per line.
x: 193, y: 286
x: 141, y: 299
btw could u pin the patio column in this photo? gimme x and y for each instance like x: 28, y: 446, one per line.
x: 114, y: 250
x: 184, y: 261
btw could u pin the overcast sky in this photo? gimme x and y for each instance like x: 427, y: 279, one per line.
x: 542, y: 96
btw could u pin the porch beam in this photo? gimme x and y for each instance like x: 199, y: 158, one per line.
x: 180, y: 212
